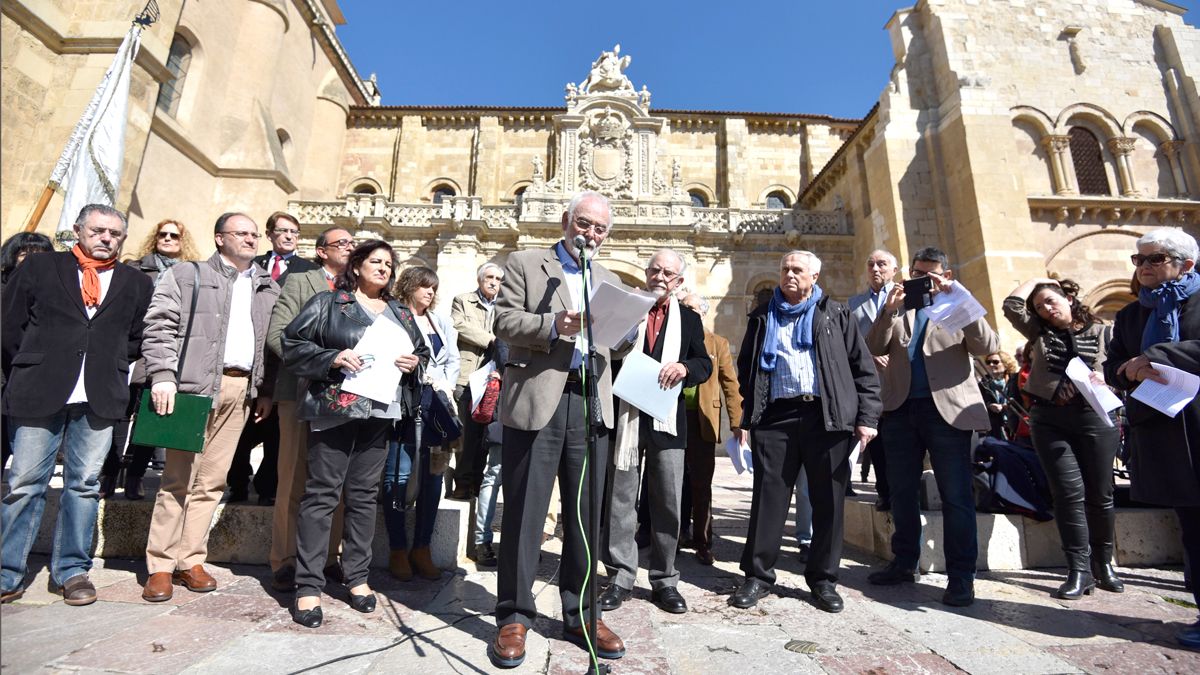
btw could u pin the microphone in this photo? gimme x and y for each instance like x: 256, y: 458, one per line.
x: 579, y: 242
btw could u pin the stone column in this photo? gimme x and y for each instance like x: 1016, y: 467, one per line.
x: 1173, y: 150
x: 735, y: 133
x: 1121, y: 148
x: 1056, y: 149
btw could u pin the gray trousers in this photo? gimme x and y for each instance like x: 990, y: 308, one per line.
x: 664, y: 477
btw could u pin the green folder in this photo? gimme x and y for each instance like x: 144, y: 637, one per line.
x: 183, y: 429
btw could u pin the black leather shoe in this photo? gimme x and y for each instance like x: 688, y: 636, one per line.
x: 883, y: 505
x: 669, y: 600
x: 892, y: 575
x: 803, y: 551
x: 284, y: 579
x: 959, y: 593
x: 363, y: 603
x: 238, y: 495
x: 1106, y: 577
x: 613, y: 596
x: 827, y: 599
x: 309, y: 618
x: 1077, y: 585
x: 749, y: 594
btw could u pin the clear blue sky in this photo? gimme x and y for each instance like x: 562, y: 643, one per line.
x: 798, y: 56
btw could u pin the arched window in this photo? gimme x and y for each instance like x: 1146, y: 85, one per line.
x: 1089, y: 163
x: 698, y: 200
x: 178, y: 60
x: 518, y: 197
x: 442, y: 192
x: 778, y: 200
x: 285, y: 143
x: 364, y: 189
x: 763, y: 294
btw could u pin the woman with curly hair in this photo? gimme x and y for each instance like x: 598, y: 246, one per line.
x: 1073, y: 444
x: 999, y: 387
x: 166, y: 246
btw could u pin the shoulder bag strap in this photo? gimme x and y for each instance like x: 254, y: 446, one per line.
x: 187, y: 333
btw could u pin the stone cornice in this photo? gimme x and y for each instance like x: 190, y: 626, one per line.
x: 1071, y: 209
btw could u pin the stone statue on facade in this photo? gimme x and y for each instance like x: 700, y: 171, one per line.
x: 539, y: 172
x: 572, y: 94
x: 644, y: 98
x: 676, y: 177
x: 608, y: 74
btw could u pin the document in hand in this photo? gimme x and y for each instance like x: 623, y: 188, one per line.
x: 1099, y: 397
x: 739, y: 455
x: 1169, y: 398
x: 615, y: 312
x: 637, y: 383
x: 478, y: 382
x: 384, y: 340
x: 955, y: 309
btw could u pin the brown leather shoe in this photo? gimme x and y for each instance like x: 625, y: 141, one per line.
x: 78, y: 591
x: 196, y: 579
x: 508, y: 649
x: 11, y: 596
x: 158, y: 587
x: 608, y: 645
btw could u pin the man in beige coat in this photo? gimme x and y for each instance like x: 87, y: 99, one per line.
x: 223, y: 359
x: 333, y: 250
x: 473, y: 314
x: 541, y: 406
x: 930, y: 401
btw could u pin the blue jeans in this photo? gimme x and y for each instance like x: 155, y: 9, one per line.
x: 489, y: 492
x: 804, y: 511
x: 85, y: 439
x: 429, y: 493
x: 907, y: 432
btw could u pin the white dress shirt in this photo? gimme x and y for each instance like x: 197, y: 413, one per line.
x: 79, y: 393
x: 239, y: 336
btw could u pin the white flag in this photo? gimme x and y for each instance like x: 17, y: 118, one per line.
x: 89, y: 170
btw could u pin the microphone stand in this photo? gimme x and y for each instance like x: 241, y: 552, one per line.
x: 593, y: 420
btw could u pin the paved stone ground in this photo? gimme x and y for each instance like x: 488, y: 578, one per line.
x: 442, y: 627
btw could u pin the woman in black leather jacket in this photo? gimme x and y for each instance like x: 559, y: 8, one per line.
x: 348, y: 433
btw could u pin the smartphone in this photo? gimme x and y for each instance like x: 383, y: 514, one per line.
x: 918, y: 293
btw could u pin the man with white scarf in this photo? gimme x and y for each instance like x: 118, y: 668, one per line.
x: 673, y: 335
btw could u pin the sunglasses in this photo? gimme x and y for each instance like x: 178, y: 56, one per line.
x: 1155, y: 259
x: 170, y: 236
x: 992, y: 362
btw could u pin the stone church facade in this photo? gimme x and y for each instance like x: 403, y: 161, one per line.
x: 1024, y: 137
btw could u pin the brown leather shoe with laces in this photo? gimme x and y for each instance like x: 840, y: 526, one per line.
x: 195, y: 580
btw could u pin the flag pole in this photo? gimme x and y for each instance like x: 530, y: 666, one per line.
x: 148, y: 15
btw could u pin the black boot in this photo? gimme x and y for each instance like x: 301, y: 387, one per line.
x: 1078, y: 584
x: 1105, y: 576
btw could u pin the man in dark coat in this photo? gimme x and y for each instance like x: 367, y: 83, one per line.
x: 72, y: 324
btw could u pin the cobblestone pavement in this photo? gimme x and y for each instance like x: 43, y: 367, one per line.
x: 442, y: 627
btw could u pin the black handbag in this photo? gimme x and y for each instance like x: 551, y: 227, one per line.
x: 440, y: 425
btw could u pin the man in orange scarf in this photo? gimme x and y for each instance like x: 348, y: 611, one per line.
x: 72, y: 323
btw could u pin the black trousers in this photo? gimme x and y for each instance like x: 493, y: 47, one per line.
x: 1189, y: 528
x: 468, y: 472
x: 789, y: 436
x: 136, y: 457
x: 874, y: 454
x: 1076, y: 450
x: 530, y: 461
x: 345, y: 459
x: 267, y: 476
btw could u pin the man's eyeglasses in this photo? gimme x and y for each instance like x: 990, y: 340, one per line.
x: 286, y: 230
x: 243, y: 234
x: 667, y: 275
x: 170, y: 236
x: 585, y: 225
x: 340, y: 243
x: 1155, y: 259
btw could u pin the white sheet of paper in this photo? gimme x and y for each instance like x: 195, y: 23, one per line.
x: 615, y: 311
x: 955, y: 309
x: 637, y: 383
x: 384, y: 340
x: 858, y: 446
x: 739, y: 455
x: 1169, y: 398
x: 478, y: 382
x: 1100, y: 398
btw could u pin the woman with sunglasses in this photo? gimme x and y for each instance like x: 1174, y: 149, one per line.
x: 1163, y: 327
x: 167, y: 245
x: 999, y: 386
x: 1074, y: 445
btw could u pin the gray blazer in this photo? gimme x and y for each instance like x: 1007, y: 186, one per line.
x: 863, y: 310
x: 298, y: 289
x: 534, y: 290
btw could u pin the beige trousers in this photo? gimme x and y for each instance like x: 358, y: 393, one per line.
x: 192, y: 486
x: 293, y: 474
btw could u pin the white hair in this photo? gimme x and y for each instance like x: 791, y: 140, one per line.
x: 1174, y: 241
x: 895, y: 262
x: 484, y: 268
x: 677, y: 254
x: 814, y: 263
x: 704, y: 306
x: 588, y: 194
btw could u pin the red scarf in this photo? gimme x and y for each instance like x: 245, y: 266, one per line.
x: 91, y: 279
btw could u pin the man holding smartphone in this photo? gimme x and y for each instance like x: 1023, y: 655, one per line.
x: 930, y: 401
